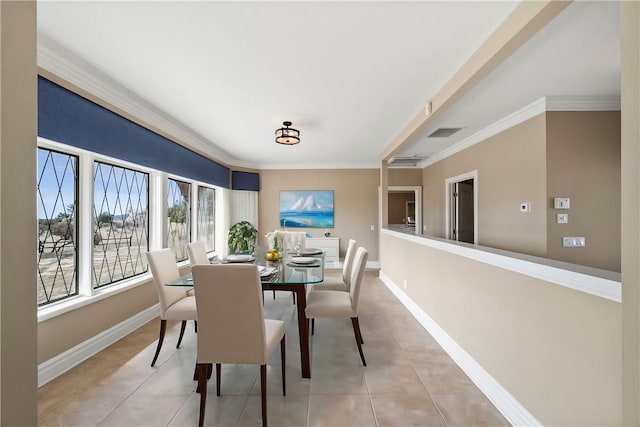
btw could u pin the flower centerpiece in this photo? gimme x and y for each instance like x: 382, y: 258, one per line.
x: 242, y: 237
x: 275, y: 243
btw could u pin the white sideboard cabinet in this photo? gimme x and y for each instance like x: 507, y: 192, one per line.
x: 330, y: 246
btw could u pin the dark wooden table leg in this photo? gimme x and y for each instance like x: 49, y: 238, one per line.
x: 303, y: 326
x: 303, y: 331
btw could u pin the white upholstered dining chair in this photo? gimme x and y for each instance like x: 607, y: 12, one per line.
x: 175, y: 304
x: 339, y: 303
x: 294, y: 240
x: 232, y: 327
x: 341, y: 283
x: 197, y: 253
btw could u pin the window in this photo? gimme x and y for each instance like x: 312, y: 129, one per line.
x: 206, y: 217
x: 98, y: 217
x: 120, y: 226
x: 57, y: 226
x: 179, y: 217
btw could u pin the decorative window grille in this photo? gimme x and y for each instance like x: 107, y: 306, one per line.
x: 120, y: 226
x: 57, y: 226
x: 206, y: 217
x: 178, y: 217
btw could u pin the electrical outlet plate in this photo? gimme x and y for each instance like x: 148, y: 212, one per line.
x: 525, y: 207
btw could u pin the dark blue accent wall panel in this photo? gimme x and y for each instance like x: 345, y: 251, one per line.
x: 66, y: 117
x: 245, y: 181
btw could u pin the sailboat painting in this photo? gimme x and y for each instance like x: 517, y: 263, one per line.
x: 306, y: 209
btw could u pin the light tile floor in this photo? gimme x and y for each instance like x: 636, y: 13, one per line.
x: 409, y: 380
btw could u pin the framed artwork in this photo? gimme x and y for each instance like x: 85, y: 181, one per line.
x: 306, y: 209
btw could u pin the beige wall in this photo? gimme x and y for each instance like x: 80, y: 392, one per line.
x: 556, y: 350
x: 355, y: 202
x: 556, y: 154
x: 405, y: 177
x: 630, y: 35
x: 583, y: 163
x: 64, y: 332
x: 18, y: 128
x: 511, y: 169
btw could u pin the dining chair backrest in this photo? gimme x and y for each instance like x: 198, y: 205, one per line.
x: 357, y: 274
x: 231, y: 327
x: 164, y: 270
x: 295, y: 240
x: 197, y: 253
x: 348, y: 262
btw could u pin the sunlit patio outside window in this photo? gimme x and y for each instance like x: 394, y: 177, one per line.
x: 120, y: 225
x: 178, y: 217
x: 57, y: 226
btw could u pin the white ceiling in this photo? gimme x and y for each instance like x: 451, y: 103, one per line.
x: 349, y: 75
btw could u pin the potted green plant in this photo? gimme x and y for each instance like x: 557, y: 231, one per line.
x: 242, y: 237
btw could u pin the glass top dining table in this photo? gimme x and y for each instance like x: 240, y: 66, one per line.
x: 290, y: 273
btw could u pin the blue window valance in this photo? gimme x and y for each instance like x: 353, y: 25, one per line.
x: 67, y: 117
x: 245, y: 181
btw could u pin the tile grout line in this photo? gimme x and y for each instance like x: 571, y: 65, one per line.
x: 415, y: 370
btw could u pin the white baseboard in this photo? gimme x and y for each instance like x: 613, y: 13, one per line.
x: 510, y: 408
x: 61, y: 363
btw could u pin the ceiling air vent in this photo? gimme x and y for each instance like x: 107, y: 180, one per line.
x: 443, y: 132
x: 400, y: 161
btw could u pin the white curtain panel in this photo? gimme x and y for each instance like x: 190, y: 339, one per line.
x: 223, y: 220
x: 244, y: 206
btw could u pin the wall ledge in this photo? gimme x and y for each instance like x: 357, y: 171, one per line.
x: 593, y: 281
x: 504, y: 401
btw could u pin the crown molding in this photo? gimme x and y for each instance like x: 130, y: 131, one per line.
x: 582, y: 103
x: 56, y: 59
x: 547, y: 103
x: 320, y: 166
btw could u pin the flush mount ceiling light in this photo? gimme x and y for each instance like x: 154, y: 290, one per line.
x: 287, y: 135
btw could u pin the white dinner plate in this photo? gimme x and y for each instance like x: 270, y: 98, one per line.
x: 266, y: 271
x: 303, y: 260
x: 310, y: 251
x: 239, y: 258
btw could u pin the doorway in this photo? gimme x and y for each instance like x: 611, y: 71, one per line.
x: 407, y: 204
x: 462, y: 208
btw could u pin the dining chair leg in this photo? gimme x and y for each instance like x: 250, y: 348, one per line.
x: 313, y: 325
x: 163, y: 329
x: 294, y: 297
x: 283, y: 363
x: 218, y: 372
x: 274, y: 294
x: 182, y: 328
x: 263, y: 393
x: 195, y: 326
x: 208, y: 367
x: 356, y: 331
x: 201, y: 370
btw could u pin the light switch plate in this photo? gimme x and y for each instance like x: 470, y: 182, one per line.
x: 562, y: 218
x: 561, y: 203
x: 573, y: 242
